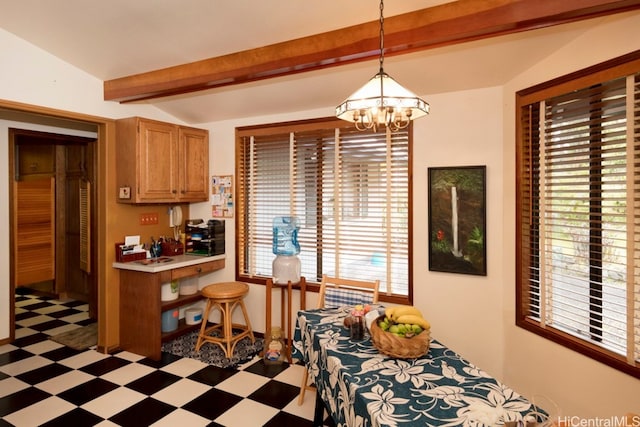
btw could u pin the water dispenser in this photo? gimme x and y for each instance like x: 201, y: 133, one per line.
x: 286, y: 266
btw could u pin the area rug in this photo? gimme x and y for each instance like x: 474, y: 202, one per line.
x: 81, y: 338
x: 212, y: 354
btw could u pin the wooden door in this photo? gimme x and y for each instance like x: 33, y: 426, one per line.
x: 194, y: 164
x: 76, y: 266
x: 34, y: 242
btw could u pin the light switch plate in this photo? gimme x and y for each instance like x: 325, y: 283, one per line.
x: 125, y: 192
x: 148, y: 218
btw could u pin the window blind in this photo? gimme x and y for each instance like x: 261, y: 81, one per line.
x: 579, y: 219
x: 349, y: 190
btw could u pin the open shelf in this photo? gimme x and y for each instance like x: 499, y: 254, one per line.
x: 180, y: 301
x: 183, y: 328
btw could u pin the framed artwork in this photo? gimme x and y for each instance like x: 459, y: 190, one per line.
x: 457, y: 220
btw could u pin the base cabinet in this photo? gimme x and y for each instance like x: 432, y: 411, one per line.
x: 141, y: 307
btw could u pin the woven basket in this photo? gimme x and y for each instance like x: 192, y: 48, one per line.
x: 399, y: 347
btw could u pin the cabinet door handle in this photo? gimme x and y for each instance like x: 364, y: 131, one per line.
x: 199, y: 270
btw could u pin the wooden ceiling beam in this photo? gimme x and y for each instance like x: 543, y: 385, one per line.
x: 446, y: 24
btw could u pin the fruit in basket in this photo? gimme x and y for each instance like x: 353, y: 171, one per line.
x: 413, y: 319
x: 395, y: 312
x: 404, y: 321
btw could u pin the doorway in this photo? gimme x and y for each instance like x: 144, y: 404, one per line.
x: 51, y: 199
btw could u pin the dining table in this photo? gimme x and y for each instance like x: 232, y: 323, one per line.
x: 360, y: 386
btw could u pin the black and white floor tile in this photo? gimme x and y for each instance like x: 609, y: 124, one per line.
x: 43, y: 383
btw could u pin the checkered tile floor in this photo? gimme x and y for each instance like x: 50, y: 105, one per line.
x: 43, y: 383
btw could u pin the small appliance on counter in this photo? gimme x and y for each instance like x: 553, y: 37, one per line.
x: 204, y: 238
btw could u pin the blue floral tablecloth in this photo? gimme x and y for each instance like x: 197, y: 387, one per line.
x: 362, y: 387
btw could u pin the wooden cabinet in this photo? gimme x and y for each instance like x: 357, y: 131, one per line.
x: 161, y: 162
x: 193, y: 164
x: 141, y: 307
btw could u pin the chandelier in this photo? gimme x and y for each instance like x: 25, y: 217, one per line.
x: 382, y: 101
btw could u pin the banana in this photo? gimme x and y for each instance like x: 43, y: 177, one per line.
x: 405, y: 310
x: 414, y: 319
x: 389, y: 312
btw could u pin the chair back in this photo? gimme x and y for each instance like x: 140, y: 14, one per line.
x: 338, y: 292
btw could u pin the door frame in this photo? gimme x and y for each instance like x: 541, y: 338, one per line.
x: 108, y: 332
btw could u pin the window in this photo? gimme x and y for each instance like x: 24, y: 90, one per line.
x: 350, y: 191
x: 578, y: 212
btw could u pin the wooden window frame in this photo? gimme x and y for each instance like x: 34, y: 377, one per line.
x: 528, y: 194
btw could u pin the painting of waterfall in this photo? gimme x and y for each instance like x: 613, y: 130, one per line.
x: 457, y: 220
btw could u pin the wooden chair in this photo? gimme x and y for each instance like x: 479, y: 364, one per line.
x: 337, y: 292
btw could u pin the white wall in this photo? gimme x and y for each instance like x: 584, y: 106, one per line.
x: 32, y: 76
x: 471, y: 314
x: 463, y: 129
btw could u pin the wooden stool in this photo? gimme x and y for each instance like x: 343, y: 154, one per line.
x: 225, y: 296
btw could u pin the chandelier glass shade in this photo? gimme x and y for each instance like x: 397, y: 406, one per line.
x: 382, y: 101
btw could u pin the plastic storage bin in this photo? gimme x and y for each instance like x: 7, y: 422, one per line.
x: 169, y: 291
x: 170, y: 320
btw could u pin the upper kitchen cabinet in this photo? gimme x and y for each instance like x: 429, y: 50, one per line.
x: 193, y: 164
x: 160, y: 162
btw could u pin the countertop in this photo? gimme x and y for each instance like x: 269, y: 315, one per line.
x: 177, y: 261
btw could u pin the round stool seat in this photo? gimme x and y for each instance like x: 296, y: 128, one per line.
x: 225, y: 290
x: 225, y: 297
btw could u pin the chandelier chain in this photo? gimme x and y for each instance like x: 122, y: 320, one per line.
x: 381, y: 35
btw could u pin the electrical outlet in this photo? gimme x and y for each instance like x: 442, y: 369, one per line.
x: 148, y: 218
x: 125, y: 192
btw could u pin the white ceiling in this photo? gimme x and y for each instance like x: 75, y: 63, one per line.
x: 116, y: 38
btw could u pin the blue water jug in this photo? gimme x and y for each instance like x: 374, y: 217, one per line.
x: 285, y: 235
